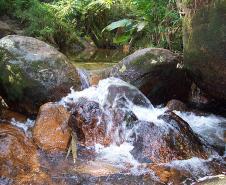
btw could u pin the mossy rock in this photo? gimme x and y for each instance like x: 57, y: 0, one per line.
x: 154, y: 71
x: 205, y: 47
x: 32, y: 73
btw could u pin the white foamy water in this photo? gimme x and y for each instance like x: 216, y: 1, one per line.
x: 115, y: 93
x: 25, y: 126
x: 196, y: 166
x: 210, y: 127
x: 84, y: 76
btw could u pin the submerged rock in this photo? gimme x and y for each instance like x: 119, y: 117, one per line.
x: 205, y: 44
x: 51, y: 132
x: 33, y: 72
x: 154, y: 71
x: 171, y: 140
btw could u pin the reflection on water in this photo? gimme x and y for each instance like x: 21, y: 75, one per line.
x: 96, y: 59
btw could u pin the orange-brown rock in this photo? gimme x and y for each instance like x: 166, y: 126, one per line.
x: 51, y: 132
x: 168, y: 174
x: 18, y: 155
x: 36, y: 178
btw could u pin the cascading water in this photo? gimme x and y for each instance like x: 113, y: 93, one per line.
x: 124, y: 129
x: 117, y: 98
x: 84, y: 76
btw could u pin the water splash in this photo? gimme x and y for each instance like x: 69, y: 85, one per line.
x: 84, y: 77
x: 113, y: 93
x: 25, y: 126
x: 210, y: 127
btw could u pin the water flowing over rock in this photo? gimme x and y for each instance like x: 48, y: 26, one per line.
x: 115, y: 112
x: 205, y: 44
x: 174, y: 140
x: 51, y: 132
x: 155, y: 72
x: 33, y: 72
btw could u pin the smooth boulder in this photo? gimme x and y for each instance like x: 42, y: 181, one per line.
x: 51, y: 132
x: 205, y: 45
x: 33, y: 73
x: 155, y: 72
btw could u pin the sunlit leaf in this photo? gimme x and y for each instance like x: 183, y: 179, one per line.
x: 141, y: 25
x: 118, y: 24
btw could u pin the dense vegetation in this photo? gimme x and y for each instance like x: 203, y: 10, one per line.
x: 107, y: 23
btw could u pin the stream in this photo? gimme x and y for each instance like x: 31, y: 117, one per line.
x: 127, y: 140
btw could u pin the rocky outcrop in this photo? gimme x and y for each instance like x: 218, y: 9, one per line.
x: 51, y: 132
x: 33, y: 72
x: 205, y: 44
x: 156, y: 73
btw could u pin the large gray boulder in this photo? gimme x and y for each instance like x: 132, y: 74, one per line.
x: 205, y: 46
x: 156, y: 73
x: 33, y: 72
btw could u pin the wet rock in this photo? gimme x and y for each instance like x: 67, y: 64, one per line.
x: 97, y: 169
x: 176, y: 105
x: 85, y: 122
x: 154, y: 71
x: 197, y: 98
x: 51, y: 132
x: 187, y: 171
x: 169, y: 175
x: 167, y: 141
x: 204, y: 46
x: 96, y: 125
x: 33, y: 72
x: 97, y: 75
x: 8, y: 115
x: 18, y: 155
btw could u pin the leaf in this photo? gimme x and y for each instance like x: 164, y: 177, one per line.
x: 69, y: 151
x: 74, y: 146
x: 141, y: 25
x: 118, y: 24
x: 122, y: 39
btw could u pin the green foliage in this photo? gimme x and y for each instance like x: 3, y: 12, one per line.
x: 108, y: 23
x: 158, y: 22
x: 45, y: 21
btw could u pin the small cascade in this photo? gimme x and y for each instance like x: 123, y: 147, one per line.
x: 118, y: 126
x: 84, y: 77
x: 124, y: 127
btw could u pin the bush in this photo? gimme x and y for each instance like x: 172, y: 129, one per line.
x: 41, y: 20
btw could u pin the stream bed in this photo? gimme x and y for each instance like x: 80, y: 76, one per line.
x: 116, y: 144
